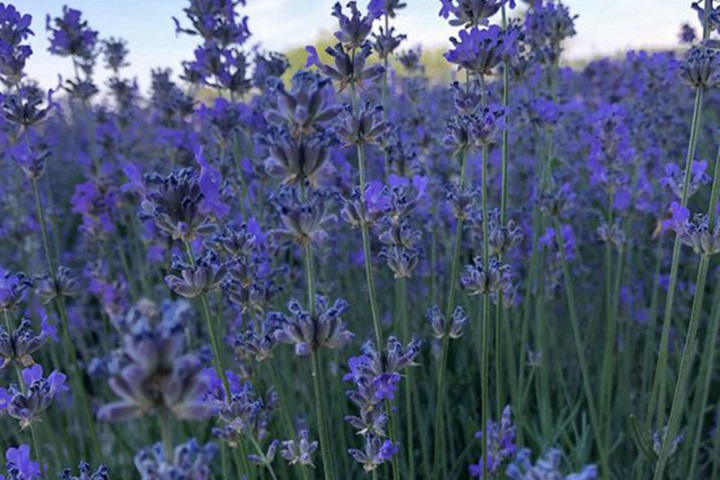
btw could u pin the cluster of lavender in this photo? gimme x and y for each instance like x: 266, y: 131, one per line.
x: 531, y: 238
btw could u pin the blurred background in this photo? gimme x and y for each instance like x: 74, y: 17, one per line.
x: 606, y: 27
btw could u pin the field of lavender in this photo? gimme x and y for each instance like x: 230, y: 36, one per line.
x: 356, y: 271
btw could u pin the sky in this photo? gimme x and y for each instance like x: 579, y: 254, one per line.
x: 604, y: 27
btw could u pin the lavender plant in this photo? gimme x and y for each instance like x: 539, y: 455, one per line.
x: 356, y: 268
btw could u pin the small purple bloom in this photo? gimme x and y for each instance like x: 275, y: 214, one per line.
x: 18, y: 459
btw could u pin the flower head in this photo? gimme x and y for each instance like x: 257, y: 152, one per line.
x: 322, y: 329
x: 299, y: 451
x: 548, y: 466
x: 354, y: 28
x: 190, y: 460
x: 481, y: 50
x: 38, y: 393
x: 19, y: 465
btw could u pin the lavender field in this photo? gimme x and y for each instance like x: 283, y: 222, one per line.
x: 355, y: 269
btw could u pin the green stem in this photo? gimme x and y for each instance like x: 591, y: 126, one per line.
x: 439, y: 442
x: 485, y: 320
x: 505, y: 134
x: 260, y: 452
x: 485, y: 374
x: 658, y: 395
x: 401, y: 291
x: 241, y: 460
x: 686, y: 363
x: 365, y: 231
x: 569, y: 291
x: 36, y: 447
x: 606, y: 385
x: 328, y: 469
x: 214, y: 341
x: 166, y: 435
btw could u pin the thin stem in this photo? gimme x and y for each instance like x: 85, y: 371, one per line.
x: 485, y: 374
x: 166, y: 435
x: 365, y: 231
x: 686, y: 363
x: 401, y: 291
x: 214, y: 341
x: 569, y: 291
x: 439, y: 442
x: 36, y: 446
x: 241, y: 460
x: 328, y: 469
x: 505, y: 134
x: 310, y: 277
x: 610, y: 331
x: 260, y: 452
x: 706, y: 369
x: 658, y: 395
x: 485, y: 320
x: 43, y: 230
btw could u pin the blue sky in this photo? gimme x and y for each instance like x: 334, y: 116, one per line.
x: 604, y: 27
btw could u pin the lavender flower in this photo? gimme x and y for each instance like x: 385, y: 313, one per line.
x: 65, y: 284
x: 267, y: 457
x: 174, y: 203
x: 461, y: 201
x: 243, y: 413
x: 323, y: 329
x: 86, y: 473
x: 701, y: 68
x: 694, y: 230
x: 307, y: 107
x: 190, y: 460
x: 386, y: 42
x: 28, y: 403
x: 364, y: 127
x: 446, y: 328
x: 613, y: 234
x: 376, y: 204
x: 354, y: 29
x: 499, y: 440
x: 13, y: 288
x: 498, y: 278
x: 375, y: 375
x: 296, y: 159
x: 70, y: 35
x: 481, y: 50
x: 658, y: 441
x: 299, y: 452
x: 19, y: 344
x: 546, y: 467
x: 348, y: 69
x: 471, y: 13
x: 687, y: 34
x: 24, y: 109
x: 376, y: 452
x: 115, y: 52
x: 304, y: 220
x: 19, y: 466
x: 674, y: 178
x: 204, y: 276
x: 378, y: 8
x: 152, y: 369
x: 14, y: 29
x: 31, y: 161
x: 546, y: 26
x: 475, y: 130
